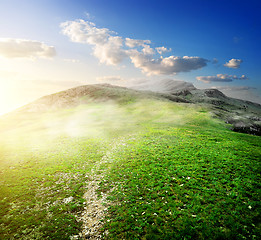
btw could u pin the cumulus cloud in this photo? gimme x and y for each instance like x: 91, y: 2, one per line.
x: 221, y: 78
x: 132, y: 43
x: 162, y: 50
x: 233, y: 63
x: 112, y: 50
x: 168, y: 66
x: 85, y: 32
x: 107, y: 48
x: 22, y: 48
x: 147, y: 50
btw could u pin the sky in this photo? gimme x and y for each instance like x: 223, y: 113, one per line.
x: 52, y: 45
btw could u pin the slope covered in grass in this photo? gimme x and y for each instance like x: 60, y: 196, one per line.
x: 170, y: 171
x: 186, y: 183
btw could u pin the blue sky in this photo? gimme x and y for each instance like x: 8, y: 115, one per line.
x: 44, y: 47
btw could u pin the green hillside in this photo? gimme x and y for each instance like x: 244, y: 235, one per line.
x: 121, y: 164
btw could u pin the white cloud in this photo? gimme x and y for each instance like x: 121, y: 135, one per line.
x: 147, y: 50
x: 162, y: 49
x: 220, y: 78
x: 107, y: 48
x: 112, y: 50
x: 167, y: 66
x: 233, y: 63
x: 85, y: 32
x: 22, y: 48
x: 132, y: 43
x: 110, y: 53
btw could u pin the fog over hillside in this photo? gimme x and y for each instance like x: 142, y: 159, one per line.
x: 244, y: 116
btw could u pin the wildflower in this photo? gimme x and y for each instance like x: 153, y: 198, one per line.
x: 194, y: 215
x: 249, y: 207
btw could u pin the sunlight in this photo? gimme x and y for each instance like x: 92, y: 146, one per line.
x: 10, y: 98
x: 5, y: 104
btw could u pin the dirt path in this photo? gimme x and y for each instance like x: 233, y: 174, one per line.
x: 95, y: 208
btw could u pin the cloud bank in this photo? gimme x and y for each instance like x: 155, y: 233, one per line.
x: 22, y: 48
x: 233, y: 63
x: 112, y: 50
x: 220, y: 78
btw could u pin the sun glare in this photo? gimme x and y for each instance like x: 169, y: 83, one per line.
x: 7, y: 99
x: 3, y: 101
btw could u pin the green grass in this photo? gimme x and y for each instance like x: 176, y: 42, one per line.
x: 186, y: 183
x: 35, y: 189
x: 176, y: 172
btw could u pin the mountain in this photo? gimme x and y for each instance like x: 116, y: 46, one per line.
x: 244, y: 116
x: 96, y: 92
x: 163, y: 86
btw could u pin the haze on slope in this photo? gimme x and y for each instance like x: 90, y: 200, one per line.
x: 245, y: 116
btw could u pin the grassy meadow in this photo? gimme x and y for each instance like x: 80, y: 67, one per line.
x: 171, y: 171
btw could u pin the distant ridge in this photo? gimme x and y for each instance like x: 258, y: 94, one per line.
x: 244, y: 116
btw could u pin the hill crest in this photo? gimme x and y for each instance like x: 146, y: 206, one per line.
x: 244, y: 116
